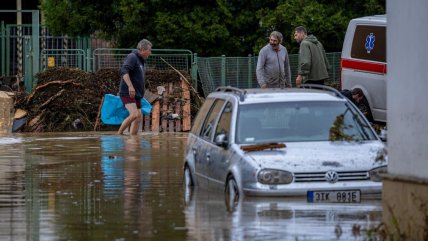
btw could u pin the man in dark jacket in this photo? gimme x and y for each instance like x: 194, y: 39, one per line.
x: 359, y: 99
x: 131, y: 89
x: 362, y: 103
x: 313, y: 64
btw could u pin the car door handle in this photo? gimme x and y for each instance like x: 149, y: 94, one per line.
x: 195, y: 150
x: 208, y: 156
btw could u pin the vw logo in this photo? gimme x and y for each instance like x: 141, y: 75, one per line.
x: 331, y: 176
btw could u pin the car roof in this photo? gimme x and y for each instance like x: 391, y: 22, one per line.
x: 247, y: 96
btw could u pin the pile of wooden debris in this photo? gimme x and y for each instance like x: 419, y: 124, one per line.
x: 67, y: 99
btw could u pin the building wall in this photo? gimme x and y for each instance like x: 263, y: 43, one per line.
x: 406, y: 186
x: 407, y: 87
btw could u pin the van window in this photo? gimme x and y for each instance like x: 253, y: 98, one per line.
x: 369, y: 43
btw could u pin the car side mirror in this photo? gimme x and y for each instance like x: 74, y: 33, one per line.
x: 221, y: 140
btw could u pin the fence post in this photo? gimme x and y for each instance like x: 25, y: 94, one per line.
x: 28, y: 67
x: 19, y: 52
x: 3, y: 47
x: 250, y: 71
x: 8, y: 37
x: 94, y: 67
x: 194, y: 71
x: 80, y: 60
x: 334, y: 67
x: 223, y: 70
x: 43, y: 44
x: 35, y: 45
x: 84, y: 46
x: 88, y: 60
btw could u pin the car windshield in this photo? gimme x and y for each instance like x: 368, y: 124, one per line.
x: 301, y: 121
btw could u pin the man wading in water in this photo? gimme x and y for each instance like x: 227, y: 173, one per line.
x: 131, y: 89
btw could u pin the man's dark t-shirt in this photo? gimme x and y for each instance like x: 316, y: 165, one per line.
x: 133, y: 65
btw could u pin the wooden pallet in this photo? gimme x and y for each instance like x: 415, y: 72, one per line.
x: 170, y: 112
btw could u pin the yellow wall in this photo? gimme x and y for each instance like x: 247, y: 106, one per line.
x: 405, y: 202
x: 6, y: 112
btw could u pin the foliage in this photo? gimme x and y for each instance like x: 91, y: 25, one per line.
x: 327, y: 20
x: 206, y: 27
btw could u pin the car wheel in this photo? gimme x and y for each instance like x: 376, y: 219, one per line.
x: 231, y: 192
x: 188, y: 181
x: 188, y: 186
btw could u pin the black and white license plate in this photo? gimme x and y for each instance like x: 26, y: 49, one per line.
x: 353, y: 196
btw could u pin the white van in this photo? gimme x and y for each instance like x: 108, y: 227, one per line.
x: 363, y: 62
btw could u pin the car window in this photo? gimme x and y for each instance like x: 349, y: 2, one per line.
x: 301, y: 121
x: 369, y: 43
x: 208, y: 127
x: 200, y: 117
x: 223, y: 126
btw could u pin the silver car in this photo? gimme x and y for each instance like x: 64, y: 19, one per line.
x: 310, y: 142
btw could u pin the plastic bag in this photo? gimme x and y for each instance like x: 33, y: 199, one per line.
x: 113, y: 112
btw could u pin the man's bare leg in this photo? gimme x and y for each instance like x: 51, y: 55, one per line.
x: 135, y: 125
x: 133, y: 114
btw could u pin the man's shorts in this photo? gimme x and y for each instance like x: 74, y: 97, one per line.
x: 128, y: 100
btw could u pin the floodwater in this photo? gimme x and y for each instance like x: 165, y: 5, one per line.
x: 101, y: 186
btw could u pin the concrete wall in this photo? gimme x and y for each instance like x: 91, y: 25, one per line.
x: 407, y: 88
x: 405, y: 195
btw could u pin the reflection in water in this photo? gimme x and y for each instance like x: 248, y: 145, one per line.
x: 86, y: 186
x: 111, y: 165
x: 99, y: 186
x: 12, y: 189
x: 208, y: 218
x: 121, y: 161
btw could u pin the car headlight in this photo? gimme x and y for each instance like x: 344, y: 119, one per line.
x: 375, y: 173
x: 272, y: 176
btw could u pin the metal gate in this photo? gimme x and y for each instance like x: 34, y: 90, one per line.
x: 72, y: 58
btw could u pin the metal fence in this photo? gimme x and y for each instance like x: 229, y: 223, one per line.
x: 91, y: 54
x: 13, y: 39
x: 180, y: 59
x: 25, y: 52
x: 13, y: 48
x: 72, y: 58
x: 241, y: 71
x: 223, y: 71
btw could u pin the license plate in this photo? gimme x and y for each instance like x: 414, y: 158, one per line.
x: 353, y: 196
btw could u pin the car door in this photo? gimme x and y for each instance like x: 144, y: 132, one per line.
x: 195, y: 141
x: 219, y: 156
x: 206, y: 135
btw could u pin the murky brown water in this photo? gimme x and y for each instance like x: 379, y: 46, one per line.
x: 100, y: 186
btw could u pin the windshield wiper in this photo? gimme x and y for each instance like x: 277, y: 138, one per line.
x: 262, y: 146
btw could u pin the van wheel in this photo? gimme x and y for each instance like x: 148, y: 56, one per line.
x: 231, y: 192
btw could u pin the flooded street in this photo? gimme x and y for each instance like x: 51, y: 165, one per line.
x: 101, y: 186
